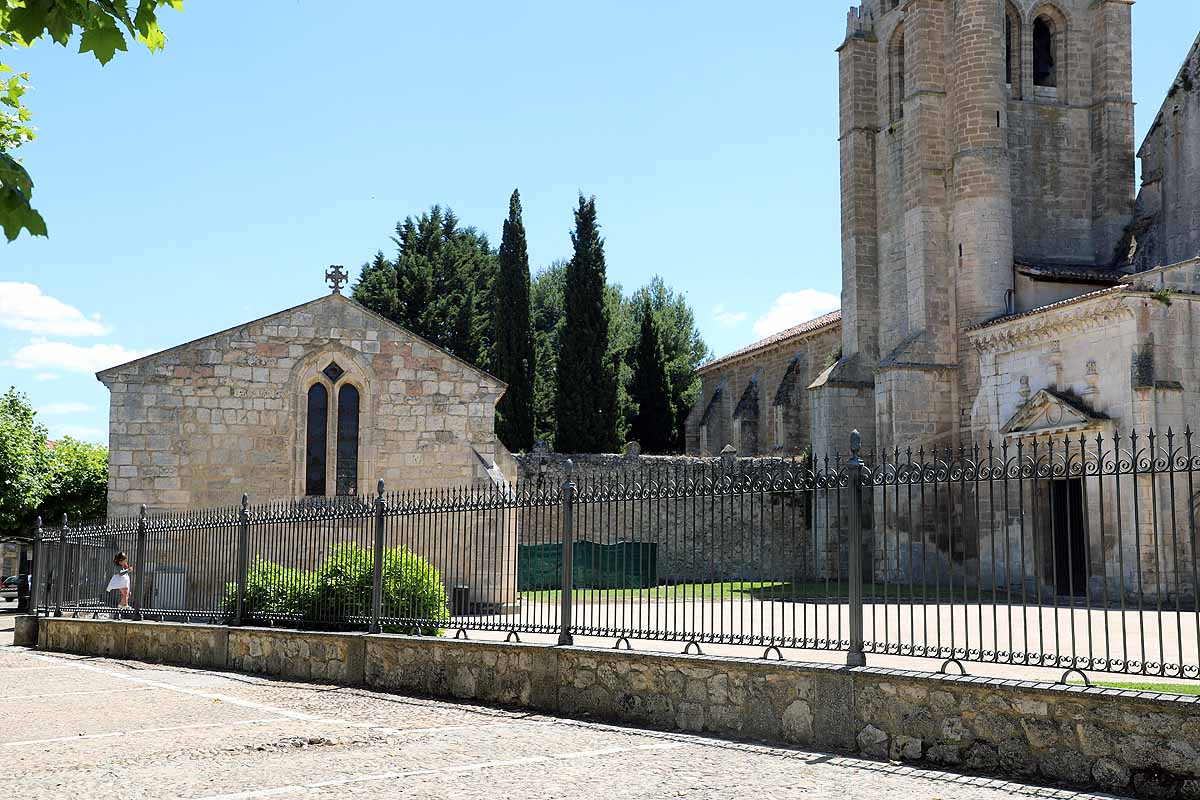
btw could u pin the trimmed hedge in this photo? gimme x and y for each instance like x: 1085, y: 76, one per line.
x: 337, y: 594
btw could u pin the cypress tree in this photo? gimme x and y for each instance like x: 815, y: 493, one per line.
x: 376, y: 287
x: 650, y: 389
x: 513, y: 351
x: 586, y: 400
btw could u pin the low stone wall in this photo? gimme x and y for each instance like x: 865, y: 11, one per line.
x: 1130, y: 742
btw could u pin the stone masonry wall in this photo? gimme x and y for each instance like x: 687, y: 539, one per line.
x: 1137, y: 743
x: 198, y: 425
x: 783, y: 371
x: 1167, y: 228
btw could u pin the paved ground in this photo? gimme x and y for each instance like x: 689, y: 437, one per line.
x: 81, y: 728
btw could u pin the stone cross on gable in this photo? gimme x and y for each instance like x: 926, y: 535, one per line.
x: 336, y: 277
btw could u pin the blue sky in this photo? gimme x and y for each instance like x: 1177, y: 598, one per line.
x: 212, y: 183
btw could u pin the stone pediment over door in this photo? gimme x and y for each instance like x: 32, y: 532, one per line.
x: 1049, y: 412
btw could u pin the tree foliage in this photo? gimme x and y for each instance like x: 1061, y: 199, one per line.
x: 24, y: 463
x: 77, y: 484
x: 440, y: 284
x: 514, y: 358
x: 586, y: 398
x: 104, y: 28
x: 650, y: 389
x: 431, y: 248
x: 71, y: 477
x: 683, y: 346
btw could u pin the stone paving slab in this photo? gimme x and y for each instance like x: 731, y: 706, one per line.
x: 329, y: 741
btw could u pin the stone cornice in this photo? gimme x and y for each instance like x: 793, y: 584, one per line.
x: 1069, y: 318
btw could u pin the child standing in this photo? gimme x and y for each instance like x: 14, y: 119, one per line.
x: 120, y: 578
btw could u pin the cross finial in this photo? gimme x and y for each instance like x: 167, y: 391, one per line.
x: 336, y: 277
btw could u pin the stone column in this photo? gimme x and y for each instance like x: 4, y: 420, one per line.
x: 981, y: 236
x: 1112, y: 126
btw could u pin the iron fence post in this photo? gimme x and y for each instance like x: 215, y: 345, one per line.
x: 138, y: 556
x: 243, y: 560
x: 568, y: 557
x: 62, y: 568
x: 856, y: 657
x: 38, y: 571
x: 377, y: 563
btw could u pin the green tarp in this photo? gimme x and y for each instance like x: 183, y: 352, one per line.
x: 624, y: 565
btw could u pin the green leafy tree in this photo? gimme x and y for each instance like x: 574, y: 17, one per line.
x: 77, y: 481
x: 650, y: 389
x: 104, y: 27
x: 514, y: 358
x: 683, y: 346
x: 24, y: 464
x: 586, y: 404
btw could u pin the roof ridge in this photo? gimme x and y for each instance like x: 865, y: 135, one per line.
x: 810, y: 326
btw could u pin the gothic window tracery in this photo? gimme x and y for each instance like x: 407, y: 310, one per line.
x: 331, y: 434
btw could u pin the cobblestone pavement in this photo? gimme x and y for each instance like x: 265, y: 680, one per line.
x: 79, y: 727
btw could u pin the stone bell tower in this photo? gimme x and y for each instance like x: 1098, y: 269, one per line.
x: 975, y: 135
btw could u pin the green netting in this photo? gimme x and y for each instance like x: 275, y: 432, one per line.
x: 624, y: 565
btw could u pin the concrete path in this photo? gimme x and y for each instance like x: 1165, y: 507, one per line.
x: 84, y: 727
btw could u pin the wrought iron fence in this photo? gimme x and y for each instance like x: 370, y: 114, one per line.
x: 1076, y: 552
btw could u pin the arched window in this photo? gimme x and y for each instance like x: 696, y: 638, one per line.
x: 896, y: 74
x: 347, y: 440
x: 316, y: 440
x: 332, y: 430
x: 1045, y: 53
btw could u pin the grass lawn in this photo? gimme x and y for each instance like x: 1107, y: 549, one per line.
x: 784, y: 591
x: 1164, y: 688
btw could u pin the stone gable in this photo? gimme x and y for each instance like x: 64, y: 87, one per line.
x: 199, y: 424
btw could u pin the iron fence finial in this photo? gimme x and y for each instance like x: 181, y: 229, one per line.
x: 379, y: 488
x: 855, y: 441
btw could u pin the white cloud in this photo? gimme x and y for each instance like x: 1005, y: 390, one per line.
x: 23, y: 307
x: 80, y: 432
x: 64, y: 408
x: 792, y: 308
x: 43, y: 355
x: 47, y: 376
x: 728, y: 319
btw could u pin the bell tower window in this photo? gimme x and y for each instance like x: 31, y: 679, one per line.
x: 896, y: 75
x: 1045, y: 53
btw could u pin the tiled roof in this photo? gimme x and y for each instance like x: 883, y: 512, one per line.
x: 1069, y: 301
x: 803, y: 328
x: 1072, y: 273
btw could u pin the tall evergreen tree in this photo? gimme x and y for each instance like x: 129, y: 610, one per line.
x: 376, y: 286
x: 650, y: 389
x: 683, y: 346
x: 442, y: 279
x: 513, y: 354
x: 587, y: 384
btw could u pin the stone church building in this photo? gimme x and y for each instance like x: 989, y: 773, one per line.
x: 319, y: 400
x: 1002, y: 280
x: 994, y: 253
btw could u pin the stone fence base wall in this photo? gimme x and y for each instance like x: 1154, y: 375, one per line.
x: 1129, y: 742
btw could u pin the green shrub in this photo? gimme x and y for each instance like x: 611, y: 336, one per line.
x: 338, y: 593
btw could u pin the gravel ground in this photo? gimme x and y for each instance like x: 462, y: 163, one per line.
x: 85, y: 727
